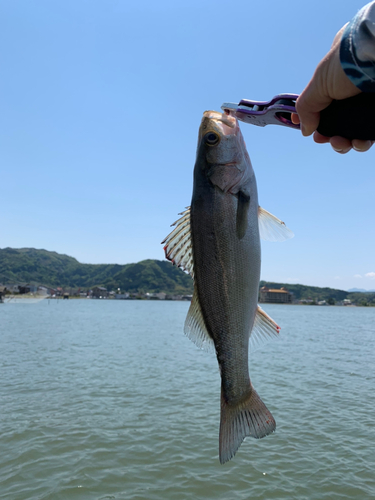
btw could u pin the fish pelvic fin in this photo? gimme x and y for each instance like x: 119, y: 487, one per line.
x: 249, y: 418
x: 271, y: 228
x: 195, y: 327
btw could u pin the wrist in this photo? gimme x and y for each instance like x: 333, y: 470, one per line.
x: 357, y: 49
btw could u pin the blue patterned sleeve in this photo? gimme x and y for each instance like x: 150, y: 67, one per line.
x: 357, y: 49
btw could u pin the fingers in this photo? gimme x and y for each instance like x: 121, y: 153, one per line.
x: 295, y: 119
x: 342, y: 145
x: 339, y: 144
x: 319, y: 138
x: 361, y: 146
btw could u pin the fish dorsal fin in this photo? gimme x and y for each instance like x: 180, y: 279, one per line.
x: 264, y: 328
x: 271, y: 228
x: 177, y: 245
x: 195, y: 327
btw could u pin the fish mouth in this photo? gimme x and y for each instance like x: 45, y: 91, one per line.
x: 224, y: 124
x: 225, y: 118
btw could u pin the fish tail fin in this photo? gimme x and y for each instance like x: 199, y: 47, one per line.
x: 251, y: 418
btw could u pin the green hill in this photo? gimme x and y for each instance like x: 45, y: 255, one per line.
x: 309, y: 292
x: 29, y: 265
x: 302, y: 292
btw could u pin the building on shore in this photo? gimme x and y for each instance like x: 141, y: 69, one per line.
x: 275, y: 295
x: 99, y: 292
x: 25, y: 288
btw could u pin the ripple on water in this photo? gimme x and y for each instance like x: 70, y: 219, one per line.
x: 109, y: 400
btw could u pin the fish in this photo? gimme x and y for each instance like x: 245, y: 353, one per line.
x: 217, y: 241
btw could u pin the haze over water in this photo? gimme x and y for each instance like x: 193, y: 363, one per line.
x: 109, y: 400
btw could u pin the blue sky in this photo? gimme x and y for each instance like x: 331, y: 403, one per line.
x: 100, y: 107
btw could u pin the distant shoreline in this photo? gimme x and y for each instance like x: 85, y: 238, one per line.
x: 39, y: 298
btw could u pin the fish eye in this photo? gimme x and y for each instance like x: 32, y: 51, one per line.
x: 211, y: 139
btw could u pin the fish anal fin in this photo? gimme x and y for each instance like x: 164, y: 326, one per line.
x: 251, y: 418
x: 195, y: 327
x: 177, y: 245
x: 264, y: 329
x: 271, y: 228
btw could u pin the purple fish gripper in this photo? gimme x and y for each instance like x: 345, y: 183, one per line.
x: 277, y: 111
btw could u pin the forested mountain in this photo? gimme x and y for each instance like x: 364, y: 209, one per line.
x: 309, y: 292
x: 41, y: 267
x: 316, y: 293
x: 29, y: 265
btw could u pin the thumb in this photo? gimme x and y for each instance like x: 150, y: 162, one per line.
x: 308, y: 106
x: 328, y: 82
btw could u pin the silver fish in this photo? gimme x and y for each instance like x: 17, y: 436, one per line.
x: 217, y: 240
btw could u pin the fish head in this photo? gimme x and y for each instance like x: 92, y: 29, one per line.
x: 221, y: 152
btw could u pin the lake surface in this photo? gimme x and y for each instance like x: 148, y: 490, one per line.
x: 109, y: 400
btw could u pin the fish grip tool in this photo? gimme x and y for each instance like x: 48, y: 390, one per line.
x: 277, y: 111
x: 353, y: 118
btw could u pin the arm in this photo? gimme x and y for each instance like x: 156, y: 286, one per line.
x: 347, y: 69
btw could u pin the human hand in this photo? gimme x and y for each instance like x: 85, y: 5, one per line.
x: 328, y: 82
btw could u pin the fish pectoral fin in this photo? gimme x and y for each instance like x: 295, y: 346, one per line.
x: 271, y: 228
x: 195, y: 327
x: 242, y: 213
x: 251, y: 418
x: 264, y: 329
x: 177, y: 245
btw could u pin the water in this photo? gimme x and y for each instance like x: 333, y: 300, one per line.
x: 109, y: 400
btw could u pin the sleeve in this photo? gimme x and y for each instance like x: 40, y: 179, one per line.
x: 357, y: 49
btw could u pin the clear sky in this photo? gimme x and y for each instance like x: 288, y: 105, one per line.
x: 100, y: 107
